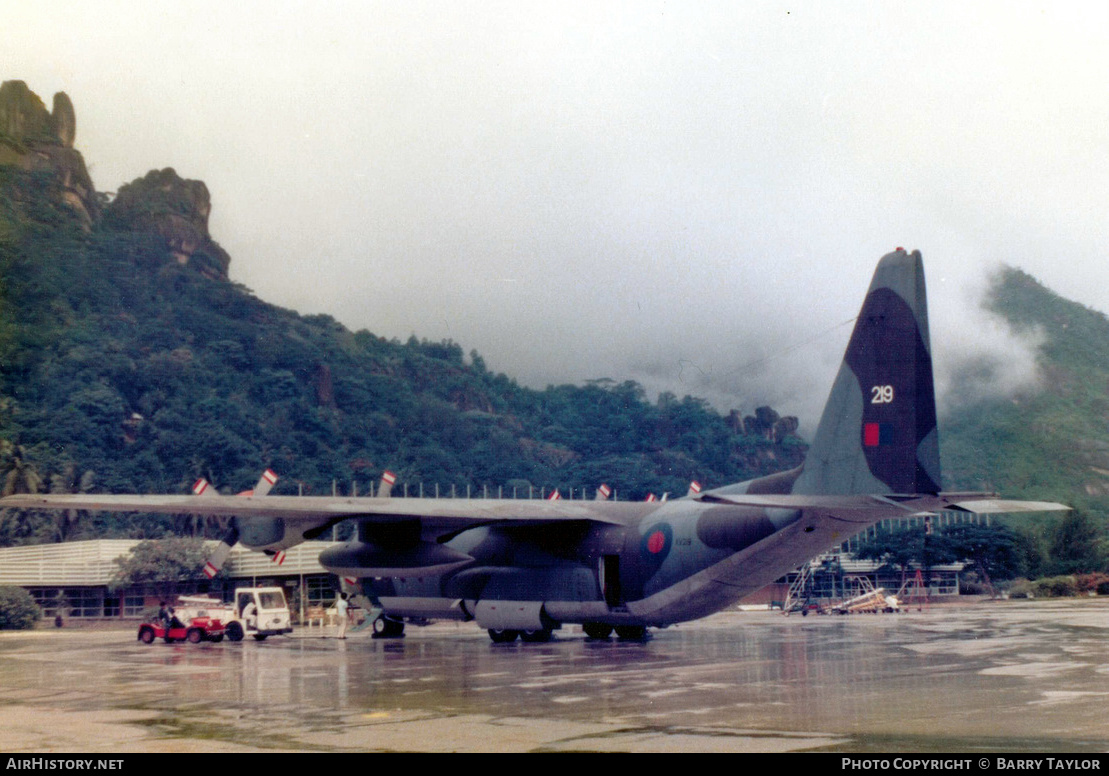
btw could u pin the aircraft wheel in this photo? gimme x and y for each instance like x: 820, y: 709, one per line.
x: 503, y: 636
x: 195, y: 635
x: 536, y: 636
x: 234, y: 631
x: 217, y: 639
x: 597, y: 630
x: 260, y: 636
x: 146, y: 634
x: 388, y: 628
x: 631, y: 632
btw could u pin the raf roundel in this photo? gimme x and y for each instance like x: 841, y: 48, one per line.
x: 656, y: 543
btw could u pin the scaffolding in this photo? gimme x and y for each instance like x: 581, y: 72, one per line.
x: 914, y: 592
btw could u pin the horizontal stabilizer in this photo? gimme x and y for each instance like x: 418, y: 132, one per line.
x: 919, y: 504
x: 989, y: 506
x: 795, y: 501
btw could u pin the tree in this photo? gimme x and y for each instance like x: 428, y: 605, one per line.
x: 161, y: 565
x: 993, y: 550
x: 17, y: 475
x: 907, y: 547
x: 65, y: 523
x: 18, y: 610
x: 1076, y: 545
x: 20, y: 475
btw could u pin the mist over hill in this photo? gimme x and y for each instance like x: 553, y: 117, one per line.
x: 130, y: 363
x: 1049, y: 438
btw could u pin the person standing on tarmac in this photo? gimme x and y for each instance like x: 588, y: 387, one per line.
x: 342, y: 608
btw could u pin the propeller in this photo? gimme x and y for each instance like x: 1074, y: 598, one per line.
x: 219, y: 555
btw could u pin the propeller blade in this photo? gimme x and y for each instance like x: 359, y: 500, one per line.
x: 265, y: 483
x: 385, y: 489
x: 223, y: 549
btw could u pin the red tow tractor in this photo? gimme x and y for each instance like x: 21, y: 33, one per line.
x: 201, y: 626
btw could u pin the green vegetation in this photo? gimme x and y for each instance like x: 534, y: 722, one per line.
x: 123, y: 370
x: 1051, y: 444
x: 991, y: 553
x: 18, y: 610
x: 161, y: 565
x: 1066, y: 559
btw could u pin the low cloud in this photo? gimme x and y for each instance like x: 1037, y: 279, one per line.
x: 979, y: 356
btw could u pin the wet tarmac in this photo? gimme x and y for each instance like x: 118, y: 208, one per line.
x: 1017, y: 676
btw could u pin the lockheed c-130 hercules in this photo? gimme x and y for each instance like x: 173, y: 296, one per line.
x: 523, y: 568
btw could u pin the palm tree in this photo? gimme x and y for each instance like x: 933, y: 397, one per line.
x: 68, y: 482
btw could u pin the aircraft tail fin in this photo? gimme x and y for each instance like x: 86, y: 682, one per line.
x: 878, y: 431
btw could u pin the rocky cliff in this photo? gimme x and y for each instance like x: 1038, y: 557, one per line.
x: 35, y: 139
x: 177, y: 210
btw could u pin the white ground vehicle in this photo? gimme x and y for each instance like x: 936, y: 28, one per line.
x: 258, y: 612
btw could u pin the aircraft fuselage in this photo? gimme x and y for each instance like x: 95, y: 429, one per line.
x: 665, y: 563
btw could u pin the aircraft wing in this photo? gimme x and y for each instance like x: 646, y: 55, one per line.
x: 434, y: 514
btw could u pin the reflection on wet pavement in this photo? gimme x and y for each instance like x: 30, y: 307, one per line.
x: 1005, y: 676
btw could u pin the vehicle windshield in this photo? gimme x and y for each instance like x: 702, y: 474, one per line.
x: 272, y: 600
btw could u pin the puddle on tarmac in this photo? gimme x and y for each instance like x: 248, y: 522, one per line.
x: 1007, y: 676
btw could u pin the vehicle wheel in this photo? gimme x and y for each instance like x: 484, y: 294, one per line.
x: 388, y: 628
x: 195, y: 635
x: 146, y: 634
x: 234, y: 631
x: 260, y: 636
x: 216, y: 639
x: 503, y: 636
x: 536, y: 636
x: 631, y: 632
x: 597, y: 630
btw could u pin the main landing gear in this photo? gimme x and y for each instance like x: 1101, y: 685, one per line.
x: 601, y: 631
x: 501, y: 636
x: 388, y: 628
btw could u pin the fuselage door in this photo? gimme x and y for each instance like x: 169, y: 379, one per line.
x: 610, y: 580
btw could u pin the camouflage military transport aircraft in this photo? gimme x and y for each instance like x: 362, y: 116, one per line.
x: 524, y: 568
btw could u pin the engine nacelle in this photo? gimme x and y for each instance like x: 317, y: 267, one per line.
x: 364, y: 559
x: 261, y: 532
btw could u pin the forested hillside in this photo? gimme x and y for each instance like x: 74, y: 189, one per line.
x: 1051, y: 443
x: 130, y: 363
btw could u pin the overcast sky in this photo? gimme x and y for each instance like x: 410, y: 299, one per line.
x: 689, y: 194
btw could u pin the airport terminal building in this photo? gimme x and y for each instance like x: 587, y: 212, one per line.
x: 73, y: 579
